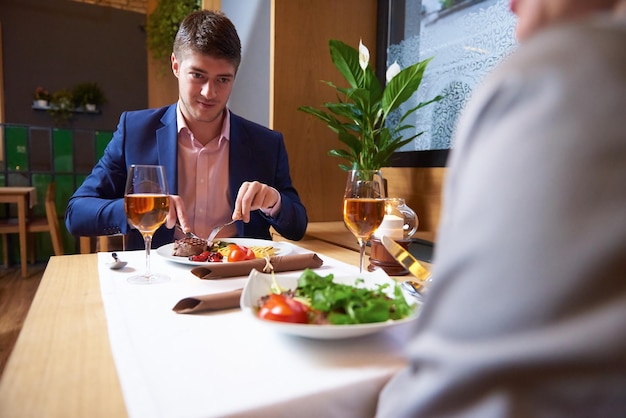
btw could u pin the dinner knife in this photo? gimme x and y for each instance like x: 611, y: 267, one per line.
x: 409, y: 262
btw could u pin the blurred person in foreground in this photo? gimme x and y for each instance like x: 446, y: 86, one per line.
x: 219, y: 166
x: 526, y: 315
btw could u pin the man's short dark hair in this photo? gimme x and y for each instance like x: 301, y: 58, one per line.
x: 210, y: 33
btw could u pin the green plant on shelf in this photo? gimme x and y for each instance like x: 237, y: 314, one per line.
x: 41, y: 95
x: 61, y: 106
x: 88, y: 96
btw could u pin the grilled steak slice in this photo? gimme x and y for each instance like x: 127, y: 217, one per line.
x: 187, y: 247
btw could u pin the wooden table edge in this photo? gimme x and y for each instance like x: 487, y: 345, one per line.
x: 48, y: 362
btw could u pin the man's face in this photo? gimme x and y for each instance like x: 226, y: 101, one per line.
x: 204, y: 85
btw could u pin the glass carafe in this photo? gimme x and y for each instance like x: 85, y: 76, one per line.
x: 397, y: 206
x: 399, y: 223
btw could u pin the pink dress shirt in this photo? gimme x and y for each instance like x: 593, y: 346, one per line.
x: 203, y: 179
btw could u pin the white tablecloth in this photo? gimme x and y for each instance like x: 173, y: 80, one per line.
x: 228, y: 364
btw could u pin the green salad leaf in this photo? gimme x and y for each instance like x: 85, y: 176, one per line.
x: 347, y: 304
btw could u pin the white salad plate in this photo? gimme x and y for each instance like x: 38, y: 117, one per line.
x: 280, y: 248
x: 258, y: 285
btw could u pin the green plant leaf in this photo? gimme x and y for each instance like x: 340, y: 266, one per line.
x: 351, y: 141
x: 403, y: 85
x: 162, y: 25
x: 346, y: 59
x: 317, y: 113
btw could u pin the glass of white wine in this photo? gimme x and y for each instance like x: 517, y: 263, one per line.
x: 146, y: 203
x: 363, y: 206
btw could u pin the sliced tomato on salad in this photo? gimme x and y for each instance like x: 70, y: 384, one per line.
x: 283, y: 308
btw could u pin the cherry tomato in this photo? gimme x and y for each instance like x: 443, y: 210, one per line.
x: 203, y: 256
x: 250, y: 255
x: 284, y: 309
x: 239, y: 253
x: 209, y: 256
x: 215, y: 257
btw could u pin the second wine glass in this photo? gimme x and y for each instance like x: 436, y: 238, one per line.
x: 146, y: 203
x: 363, y: 206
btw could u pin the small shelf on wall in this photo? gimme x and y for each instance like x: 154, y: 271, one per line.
x: 39, y: 106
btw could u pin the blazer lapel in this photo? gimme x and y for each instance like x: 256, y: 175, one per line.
x: 167, y: 139
x: 240, y: 160
x: 239, y: 157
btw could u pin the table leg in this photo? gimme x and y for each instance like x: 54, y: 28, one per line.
x: 21, y: 220
x: 85, y: 245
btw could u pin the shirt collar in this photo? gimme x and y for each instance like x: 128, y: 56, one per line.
x: 181, y: 123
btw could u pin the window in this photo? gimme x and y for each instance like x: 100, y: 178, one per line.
x: 467, y: 39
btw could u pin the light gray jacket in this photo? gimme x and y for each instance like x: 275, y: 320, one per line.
x: 527, y: 313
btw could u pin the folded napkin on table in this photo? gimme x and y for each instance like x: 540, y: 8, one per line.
x: 243, y: 268
x: 228, y: 300
x: 213, y: 302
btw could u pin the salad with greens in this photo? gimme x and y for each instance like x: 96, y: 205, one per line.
x: 319, y: 300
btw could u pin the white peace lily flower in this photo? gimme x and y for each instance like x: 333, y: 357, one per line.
x: 392, y: 71
x: 364, y: 55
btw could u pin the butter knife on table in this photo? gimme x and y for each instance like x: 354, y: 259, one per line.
x: 421, y: 273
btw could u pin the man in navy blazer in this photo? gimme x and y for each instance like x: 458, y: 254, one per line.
x: 258, y: 183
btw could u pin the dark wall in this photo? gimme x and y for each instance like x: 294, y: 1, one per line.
x: 58, y: 44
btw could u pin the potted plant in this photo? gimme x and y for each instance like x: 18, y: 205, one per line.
x: 360, y: 116
x: 41, y: 97
x: 61, y: 106
x: 88, y: 96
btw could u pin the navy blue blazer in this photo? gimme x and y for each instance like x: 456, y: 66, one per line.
x: 149, y: 137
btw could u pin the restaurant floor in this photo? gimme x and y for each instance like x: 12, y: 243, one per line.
x: 16, y: 295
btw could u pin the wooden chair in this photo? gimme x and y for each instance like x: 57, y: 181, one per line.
x: 103, y: 243
x: 49, y: 223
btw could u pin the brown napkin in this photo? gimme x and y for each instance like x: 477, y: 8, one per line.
x: 243, y: 268
x: 214, y: 302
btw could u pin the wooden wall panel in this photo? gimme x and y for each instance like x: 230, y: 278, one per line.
x: 421, y: 188
x: 211, y: 4
x: 301, y: 59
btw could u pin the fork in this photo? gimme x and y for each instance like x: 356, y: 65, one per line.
x: 217, y: 229
x: 187, y: 234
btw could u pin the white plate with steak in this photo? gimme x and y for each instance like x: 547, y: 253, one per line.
x: 279, y: 248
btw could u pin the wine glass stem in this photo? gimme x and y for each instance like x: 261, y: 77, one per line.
x: 361, y: 254
x: 147, y: 238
